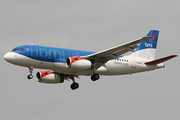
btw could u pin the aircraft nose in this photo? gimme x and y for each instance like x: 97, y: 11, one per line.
x: 13, y: 58
x: 8, y: 56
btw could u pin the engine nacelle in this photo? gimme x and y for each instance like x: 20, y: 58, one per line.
x: 78, y: 63
x: 49, y: 77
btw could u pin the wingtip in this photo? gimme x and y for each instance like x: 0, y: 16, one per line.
x: 174, y: 55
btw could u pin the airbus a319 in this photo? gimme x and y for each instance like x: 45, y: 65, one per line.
x: 63, y: 64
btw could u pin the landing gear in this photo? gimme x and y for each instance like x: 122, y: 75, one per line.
x: 74, y: 85
x: 95, y: 77
x: 30, y: 76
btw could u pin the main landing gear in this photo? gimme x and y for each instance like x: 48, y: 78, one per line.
x: 74, y: 85
x: 30, y: 76
x: 95, y: 77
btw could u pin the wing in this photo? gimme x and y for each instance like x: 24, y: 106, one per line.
x: 118, y: 50
x: 108, y: 54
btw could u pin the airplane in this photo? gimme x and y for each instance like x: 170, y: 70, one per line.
x: 66, y: 64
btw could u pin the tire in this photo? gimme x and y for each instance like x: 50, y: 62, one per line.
x: 95, y: 77
x: 30, y: 76
x: 74, y: 86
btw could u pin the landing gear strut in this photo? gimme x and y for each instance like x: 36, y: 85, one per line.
x: 30, y: 76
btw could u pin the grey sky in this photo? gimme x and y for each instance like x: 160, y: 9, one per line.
x: 94, y: 26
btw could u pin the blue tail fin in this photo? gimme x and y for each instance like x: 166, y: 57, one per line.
x: 147, y: 49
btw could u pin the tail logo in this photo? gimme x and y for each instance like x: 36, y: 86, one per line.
x: 153, y: 36
x: 148, y: 45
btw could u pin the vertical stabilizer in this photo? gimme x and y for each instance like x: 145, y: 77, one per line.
x: 147, y: 49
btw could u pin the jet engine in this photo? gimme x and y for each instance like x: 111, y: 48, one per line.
x: 78, y: 63
x: 49, y: 77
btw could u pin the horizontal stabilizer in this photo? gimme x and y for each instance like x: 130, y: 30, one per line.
x: 155, y: 62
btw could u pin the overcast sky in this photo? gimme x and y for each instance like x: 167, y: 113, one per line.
x: 94, y: 26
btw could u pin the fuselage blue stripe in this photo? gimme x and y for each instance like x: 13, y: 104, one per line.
x: 49, y: 54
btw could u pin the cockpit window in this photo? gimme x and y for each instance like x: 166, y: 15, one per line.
x: 18, y: 49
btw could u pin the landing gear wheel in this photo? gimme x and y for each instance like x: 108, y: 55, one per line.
x: 30, y: 76
x: 95, y: 77
x: 74, y: 86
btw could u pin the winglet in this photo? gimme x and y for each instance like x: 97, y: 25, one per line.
x: 155, y: 62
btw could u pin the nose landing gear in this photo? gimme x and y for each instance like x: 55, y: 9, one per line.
x: 30, y: 76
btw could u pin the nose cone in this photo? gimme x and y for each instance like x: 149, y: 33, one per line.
x: 11, y: 57
x: 14, y: 58
x: 8, y: 56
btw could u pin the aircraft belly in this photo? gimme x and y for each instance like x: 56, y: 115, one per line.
x: 60, y: 67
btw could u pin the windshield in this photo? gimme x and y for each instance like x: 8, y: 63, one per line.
x: 18, y: 49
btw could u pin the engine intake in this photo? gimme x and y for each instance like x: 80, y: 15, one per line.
x: 49, y: 77
x: 78, y: 63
